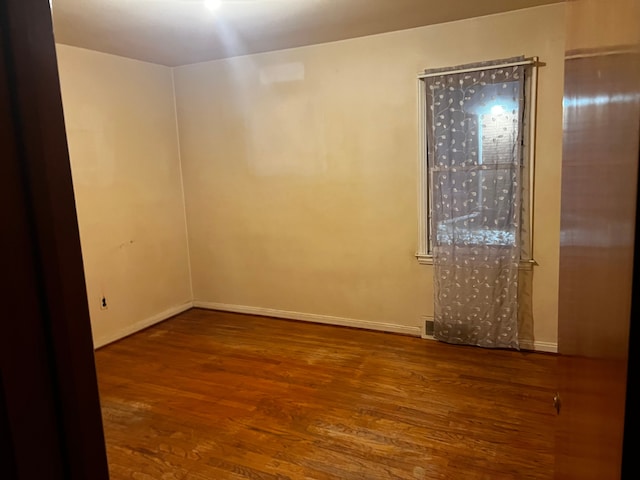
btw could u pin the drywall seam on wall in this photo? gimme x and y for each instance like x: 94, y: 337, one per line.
x: 311, y: 317
x: 141, y: 325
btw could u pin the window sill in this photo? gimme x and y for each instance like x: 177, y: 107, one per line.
x: 428, y: 260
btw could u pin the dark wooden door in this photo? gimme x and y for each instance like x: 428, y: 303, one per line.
x: 599, y: 197
x: 50, y: 420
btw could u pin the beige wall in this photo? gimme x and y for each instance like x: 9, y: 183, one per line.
x: 612, y: 33
x: 300, y: 170
x: 121, y: 129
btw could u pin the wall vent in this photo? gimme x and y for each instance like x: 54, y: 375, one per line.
x: 427, y: 329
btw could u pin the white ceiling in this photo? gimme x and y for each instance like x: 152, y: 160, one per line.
x: 179, y: 32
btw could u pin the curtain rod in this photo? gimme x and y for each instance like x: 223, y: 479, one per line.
x: 526, y: 61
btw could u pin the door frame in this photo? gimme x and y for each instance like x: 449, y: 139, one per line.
x: 49, y: 399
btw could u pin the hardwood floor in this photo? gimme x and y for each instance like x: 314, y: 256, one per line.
x: 211, y: 395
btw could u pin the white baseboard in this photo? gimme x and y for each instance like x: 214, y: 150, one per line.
x: 141, y: 325
x: 546, y: 347
x: 536, y: 346
x: 524, y: 344
x: 311, y: 317
x: 417, y: 331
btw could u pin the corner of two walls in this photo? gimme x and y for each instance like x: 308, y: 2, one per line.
x: 299, y: 170
x: 121, y: 130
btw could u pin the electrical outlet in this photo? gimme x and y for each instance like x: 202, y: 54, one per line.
x: 103, y: 303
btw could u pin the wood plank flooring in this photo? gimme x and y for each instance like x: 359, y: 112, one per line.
x: 212, y: 396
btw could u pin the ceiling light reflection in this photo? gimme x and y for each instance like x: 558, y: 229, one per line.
x: 213, y: 5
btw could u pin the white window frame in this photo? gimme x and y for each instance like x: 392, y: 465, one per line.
x: 424, y: 254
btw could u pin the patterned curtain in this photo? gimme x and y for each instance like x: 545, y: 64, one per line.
x: 475, y: 159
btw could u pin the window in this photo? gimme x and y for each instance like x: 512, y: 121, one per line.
x: 489, y: 109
